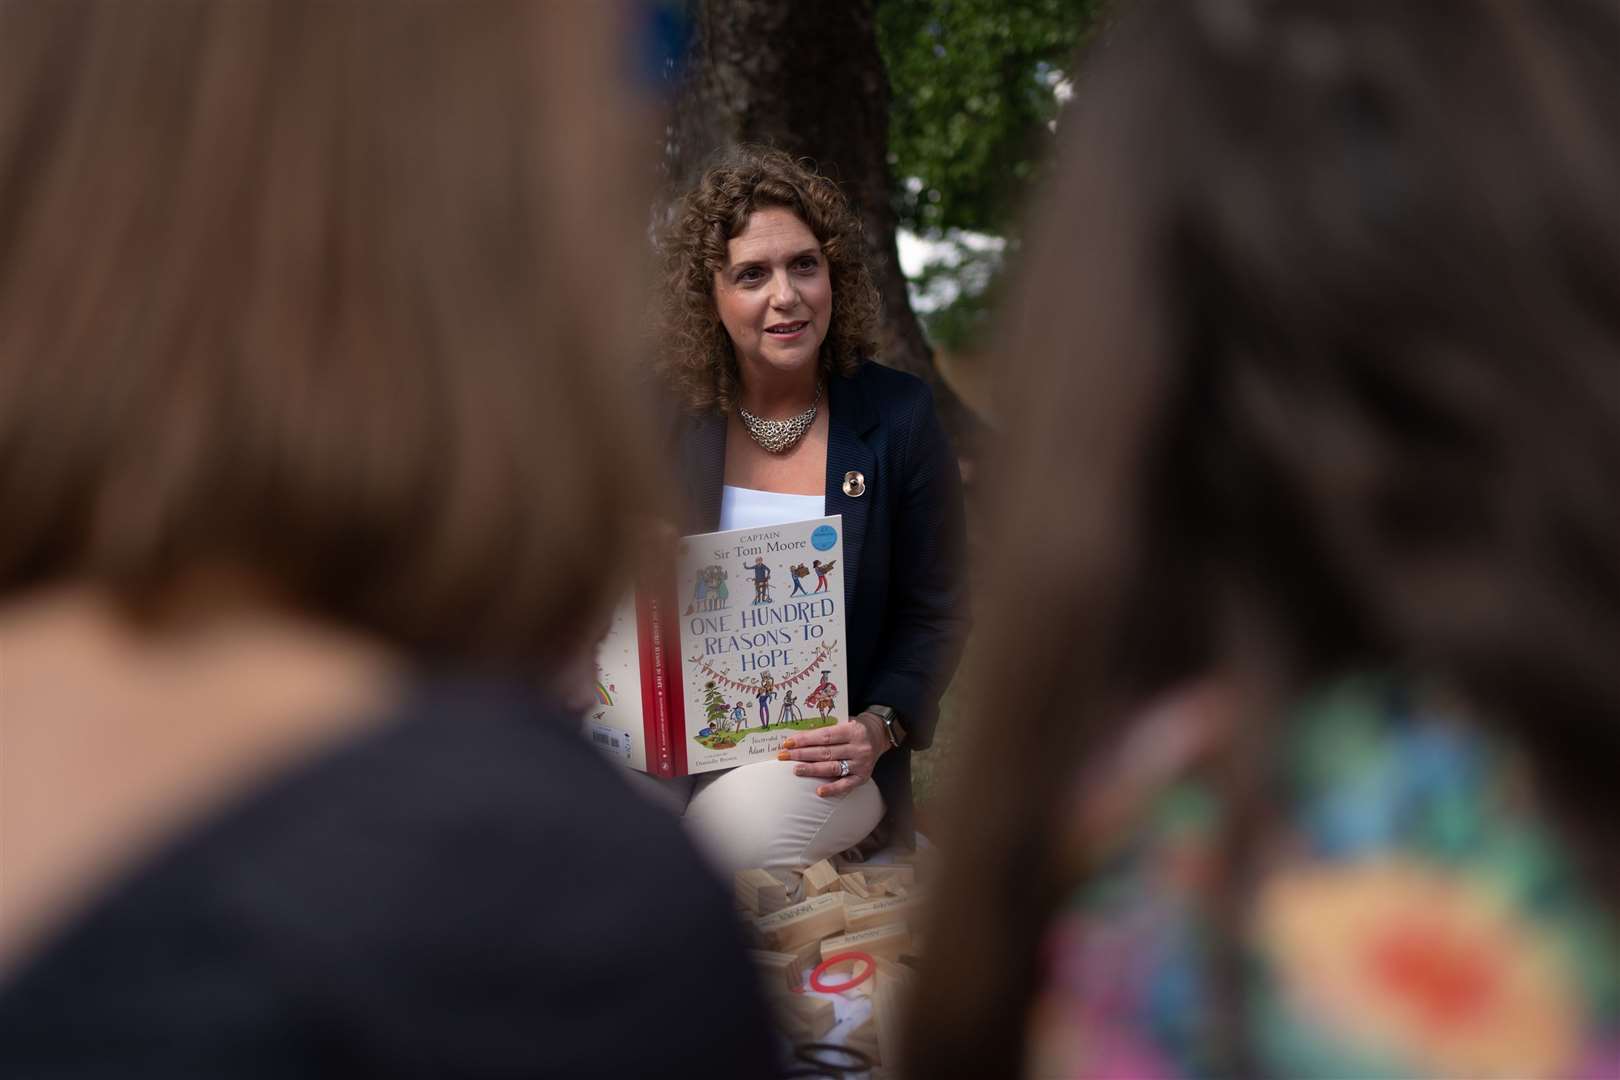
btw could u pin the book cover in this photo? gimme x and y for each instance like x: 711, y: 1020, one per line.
x: 739, y: 647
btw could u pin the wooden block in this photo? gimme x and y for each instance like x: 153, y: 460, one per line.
x: 805, y: 1016
x: 820, y: 879
x: 809, y: 954
x: 865, y: 914
x: 922, y: 863
x: 855, y: 885
x: 810, y: 920
x: 786, y: 969
x: 895, y: 971
x: 888, y: 941
x: 889, y: 875
x: 759, y: 892
x: 887, y: 1000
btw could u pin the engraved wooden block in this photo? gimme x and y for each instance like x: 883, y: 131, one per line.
x: 759, y: 892
x: 808, y: 921
x: 865, y: 914
x: 820, y: 879
x: 888, y: 941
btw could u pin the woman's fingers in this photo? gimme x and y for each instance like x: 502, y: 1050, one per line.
x: 835, y: 782
x: 821, y: 751
x: 828, y: 743
x: 826, y: 769
x: 826, y: 757
x: 840, y: 787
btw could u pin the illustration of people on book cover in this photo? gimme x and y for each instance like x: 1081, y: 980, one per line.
x: 709, y: 592
x: 725, y: 680
x: 777, y: 653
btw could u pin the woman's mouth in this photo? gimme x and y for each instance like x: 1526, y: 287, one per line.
x: 787, y: 329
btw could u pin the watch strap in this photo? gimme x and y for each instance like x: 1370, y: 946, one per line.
x: 891, y: 723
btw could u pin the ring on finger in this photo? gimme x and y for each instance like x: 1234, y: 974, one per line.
x: 843, y: 768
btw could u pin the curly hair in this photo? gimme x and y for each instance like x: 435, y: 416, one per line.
x: 697, y: 358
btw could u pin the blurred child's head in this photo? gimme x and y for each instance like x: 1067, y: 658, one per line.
x: 1314, y: 365
x: 333, y: 297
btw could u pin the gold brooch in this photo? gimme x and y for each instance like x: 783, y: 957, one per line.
x: 854, y: 484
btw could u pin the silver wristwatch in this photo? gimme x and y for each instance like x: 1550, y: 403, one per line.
x: 891, y: 723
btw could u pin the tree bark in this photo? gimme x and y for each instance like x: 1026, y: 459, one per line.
x: 808, y: 78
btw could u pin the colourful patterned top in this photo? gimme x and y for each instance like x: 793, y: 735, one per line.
x: 1418, y: 918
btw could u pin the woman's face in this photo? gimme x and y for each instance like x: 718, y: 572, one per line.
x: 774, y: 295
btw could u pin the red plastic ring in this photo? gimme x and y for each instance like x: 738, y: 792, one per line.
x: 852, y: 982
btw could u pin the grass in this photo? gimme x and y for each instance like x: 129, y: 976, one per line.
x: 930, y: 767
x: 733, y: 738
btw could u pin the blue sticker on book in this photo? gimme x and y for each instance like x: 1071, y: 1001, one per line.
x: 823, y: 538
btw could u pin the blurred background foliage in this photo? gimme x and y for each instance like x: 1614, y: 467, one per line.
x: 975, y: 91
x: 975, y: 86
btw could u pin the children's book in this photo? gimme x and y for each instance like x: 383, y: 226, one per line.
x: 737, y: 649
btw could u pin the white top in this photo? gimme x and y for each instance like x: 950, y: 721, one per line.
x: 746, y: 508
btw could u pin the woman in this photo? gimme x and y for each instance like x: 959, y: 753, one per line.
x: 1323, y: 605
x: 300, y: 303
x: 770, y: 317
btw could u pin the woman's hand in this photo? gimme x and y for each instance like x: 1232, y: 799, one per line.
x: 860, y: 742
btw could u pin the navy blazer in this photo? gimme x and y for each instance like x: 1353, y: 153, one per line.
x: 904, y: 569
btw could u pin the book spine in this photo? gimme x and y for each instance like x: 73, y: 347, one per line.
x: 674, y: 685
x: 655, y: 707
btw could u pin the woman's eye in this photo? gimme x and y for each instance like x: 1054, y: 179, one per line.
x: 751, y: 274
x: 807, y: 263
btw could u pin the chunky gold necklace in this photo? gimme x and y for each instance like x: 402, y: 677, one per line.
x: 780, y: 436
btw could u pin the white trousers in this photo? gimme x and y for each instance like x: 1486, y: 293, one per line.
x: 762, y: 815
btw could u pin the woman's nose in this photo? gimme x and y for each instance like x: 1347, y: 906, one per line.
x: 783, y: 294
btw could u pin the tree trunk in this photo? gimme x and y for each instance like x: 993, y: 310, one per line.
x: 808, y: 78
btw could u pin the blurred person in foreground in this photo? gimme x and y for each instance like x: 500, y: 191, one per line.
x: 304, y: 307
x: 1321, y: 607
